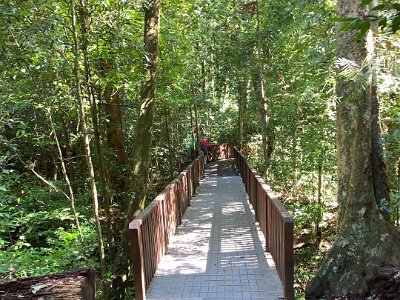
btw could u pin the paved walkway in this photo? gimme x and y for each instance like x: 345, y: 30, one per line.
x: 218, y: 252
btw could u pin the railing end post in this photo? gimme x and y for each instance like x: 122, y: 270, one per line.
x: 135, y: 235
x: 289, y: 259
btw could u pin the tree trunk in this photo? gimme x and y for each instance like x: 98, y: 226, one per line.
x: 144, y: 129
x: 87, y: 143
x: 318, y: 220
x: 66, y: 144
x: 379, y: 174
x: 171, y: 155
x: 398, y: 192
x: 84, y: 18
x: 142, y: 147
x: 195, y: 149
x: 259, y: 87
x: 365, y: 242
x: 241, y: 112
x: 197, y: 130
x: 115, y: 137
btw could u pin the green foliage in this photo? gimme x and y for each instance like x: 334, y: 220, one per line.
x: 38, y: 235
x: 307, y: 263
x: 62, y: 251
x: 388, y: 86
x: 386, y: 14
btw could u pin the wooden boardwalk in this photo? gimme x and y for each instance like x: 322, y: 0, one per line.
x: 218, y: 252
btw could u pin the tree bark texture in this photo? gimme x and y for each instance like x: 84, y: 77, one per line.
x: 170, y: 142
x: 118, y: 158
x: 144, y: 129
x: 115, y: 137
x: 379, y: 173
x: 112, y: 98
x: 365, y: 242
x: 267, y: 141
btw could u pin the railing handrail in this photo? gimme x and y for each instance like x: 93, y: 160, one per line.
x: 268, y: 207
x: 159, y: 220
x: 150, y: 231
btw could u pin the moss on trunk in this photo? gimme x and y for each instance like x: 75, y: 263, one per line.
x: 365, y: 243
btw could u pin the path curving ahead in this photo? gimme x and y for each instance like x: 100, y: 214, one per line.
x: 218, y: 252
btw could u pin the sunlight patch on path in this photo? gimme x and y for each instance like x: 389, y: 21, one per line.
x: 217, y: 252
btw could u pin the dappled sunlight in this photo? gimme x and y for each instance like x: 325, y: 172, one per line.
x: 216, y: 252
x: 234, y: 238
x: 233, y: 208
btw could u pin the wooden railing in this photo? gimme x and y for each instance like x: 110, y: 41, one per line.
x: 274, y: 220
x: 151, y: 230
x: 222, y: 151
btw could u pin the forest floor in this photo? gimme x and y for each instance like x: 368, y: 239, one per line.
x: 71, y: 285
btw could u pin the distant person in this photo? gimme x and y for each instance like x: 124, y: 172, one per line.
x: 207, y: 146
x: 204, y: 149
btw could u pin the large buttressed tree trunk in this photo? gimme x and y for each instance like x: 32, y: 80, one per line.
x: 366, y: 243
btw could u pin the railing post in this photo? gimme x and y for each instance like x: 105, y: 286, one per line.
x: 267, y: 223
x: 246, y: 172
x: 137, y: 262
x: 288, y: 259
x: 178, y: 201
x: 189, y: 178
x: 164, y: 215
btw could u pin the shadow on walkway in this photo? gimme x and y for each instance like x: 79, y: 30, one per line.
x: 217, y: 252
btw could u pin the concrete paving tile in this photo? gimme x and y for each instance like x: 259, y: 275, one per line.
x: 217, y: 252
x: 212, y: 288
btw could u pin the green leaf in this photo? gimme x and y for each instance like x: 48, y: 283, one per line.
x: 396, y: 133
x: 342, y: 19
x: 359, y: 24
x: 3, y: 188
x: 365, y: 2
x: 378, y: 7
x: 382, y: 22
x: 363, y: 27
x: 396, y: 23
x: 396, y: 6
x: 345, y: 26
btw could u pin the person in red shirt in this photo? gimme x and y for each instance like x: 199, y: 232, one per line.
x: 208, y: 147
